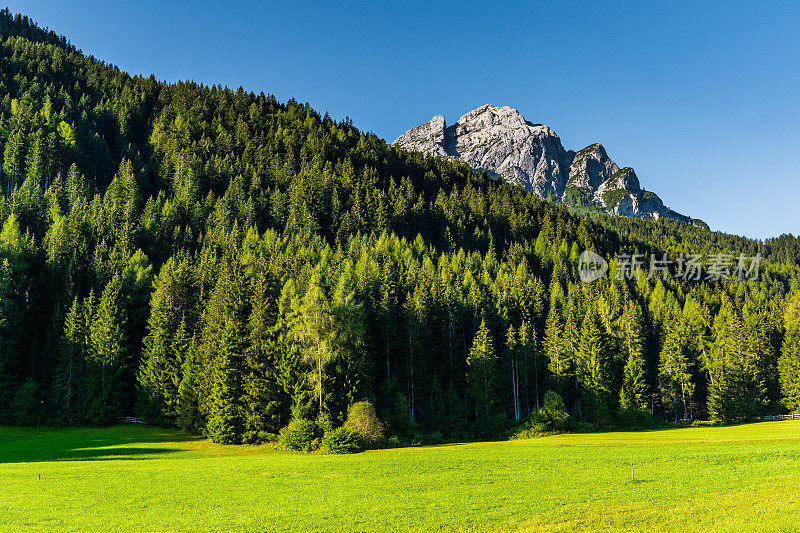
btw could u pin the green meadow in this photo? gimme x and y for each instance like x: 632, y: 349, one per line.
x: 134, y: 478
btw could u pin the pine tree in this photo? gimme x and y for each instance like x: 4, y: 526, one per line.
x: 35, y: 164
x: 387, y: 311
x: 188, y: 414
x: 414, y: 310
x: 530, y: 359
x: 513, y: 349
x: 734, y: 389
x: 348, y: 345
x: 555, y: 350
x: 435, y: 411
x: 261, y: 391
x: 789, y: 368
x: 14, y: 161
x: 454, y: 418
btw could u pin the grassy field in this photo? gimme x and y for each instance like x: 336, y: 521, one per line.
x: 130, y: 478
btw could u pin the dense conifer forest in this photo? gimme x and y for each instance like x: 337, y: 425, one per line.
x: 226, y: 263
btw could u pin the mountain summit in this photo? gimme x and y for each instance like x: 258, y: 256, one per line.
x: 500, y: 141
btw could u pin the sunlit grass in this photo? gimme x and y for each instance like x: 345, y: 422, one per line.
x: 133, y: 478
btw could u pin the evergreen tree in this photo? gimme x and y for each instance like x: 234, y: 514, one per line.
x: 735, y: 389
x: 108, y: 357
x: 72, y: 352
x: 224, y: 345
x: 593, y: 368
x: 231, y: 195
x: 313, y: 328
x: 789, y: 362
x: 675, y: 367
x: 14, y: 161
x: 189, y: 416
x: 159, y: 376
x: 262, y: 394
x: 554, y: 349
x: 633, y: 394
x: 482, y: 372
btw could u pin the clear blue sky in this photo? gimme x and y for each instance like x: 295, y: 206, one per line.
x: 700, y: 98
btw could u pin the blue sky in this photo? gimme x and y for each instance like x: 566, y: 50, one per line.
x: 702, y: 100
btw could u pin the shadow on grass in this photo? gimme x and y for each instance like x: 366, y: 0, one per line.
x: 123, y: 442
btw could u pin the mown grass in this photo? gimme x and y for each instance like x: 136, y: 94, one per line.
x: 131, y: 478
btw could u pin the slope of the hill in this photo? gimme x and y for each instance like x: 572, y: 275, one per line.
x: 221, y: 261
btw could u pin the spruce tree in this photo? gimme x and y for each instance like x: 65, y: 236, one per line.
x: 593, y: 368
x: 261, y: 390
x: 108, y: 357
x: 555, y: 350
x: 789, y: 368
x: 789, y: 362
x: 224, y: 345
x: 159, y: 374
x: 72, y: 352
x: 633, y: 394
x: 14, y: 161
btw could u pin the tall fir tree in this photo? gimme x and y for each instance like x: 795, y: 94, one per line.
x: 108, y: 357
x: 593, y: 368
x: 225, y: 337
x: 789, y: 362
x: 73, y: 349
x: 633, y: 393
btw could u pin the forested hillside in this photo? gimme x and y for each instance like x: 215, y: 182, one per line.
x: 223, y: 262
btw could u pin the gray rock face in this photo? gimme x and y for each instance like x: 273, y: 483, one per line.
x: 591, y: 167
x: 427, y: 138
x: 500, y: 141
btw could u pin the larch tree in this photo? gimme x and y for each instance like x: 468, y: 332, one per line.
x: 313, y: 328
x: 482, y: 361
x: 675, y: 368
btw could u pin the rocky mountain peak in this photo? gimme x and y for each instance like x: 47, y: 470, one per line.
x: 591, y: 167
x: 500, y: 141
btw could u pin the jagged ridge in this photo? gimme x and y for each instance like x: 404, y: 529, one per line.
x: 500, y: 141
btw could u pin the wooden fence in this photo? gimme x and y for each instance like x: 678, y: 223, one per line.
x: 795, y: 416
x: 132, y: 420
